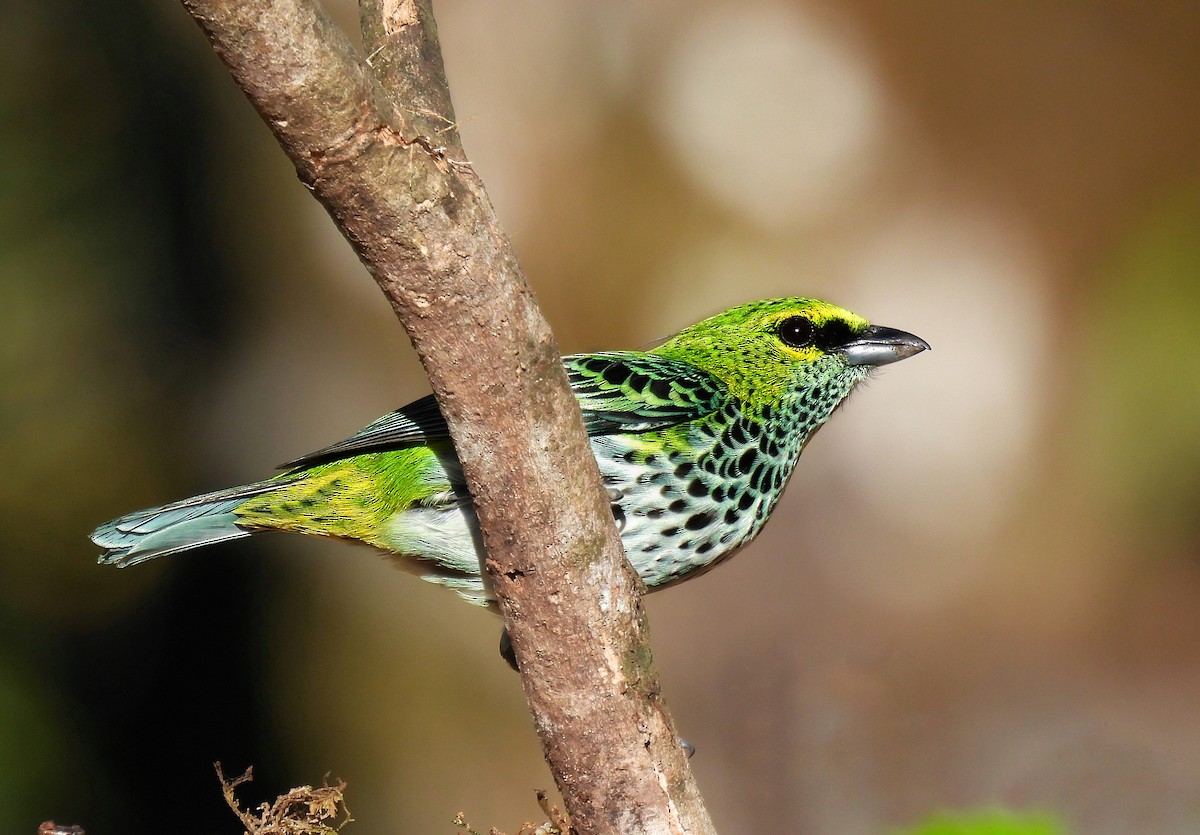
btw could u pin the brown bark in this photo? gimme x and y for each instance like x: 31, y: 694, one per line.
x: 375, y: 141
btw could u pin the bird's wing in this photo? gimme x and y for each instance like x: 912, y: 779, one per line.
x: 634, y: 392
x: 618, y: 392
x: 420, y: 422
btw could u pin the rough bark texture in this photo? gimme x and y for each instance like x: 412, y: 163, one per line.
x: 374, y: 139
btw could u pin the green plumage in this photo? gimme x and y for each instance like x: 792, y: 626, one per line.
x: 695, y: 441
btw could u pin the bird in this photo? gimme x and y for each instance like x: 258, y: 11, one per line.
x: 695, y: 440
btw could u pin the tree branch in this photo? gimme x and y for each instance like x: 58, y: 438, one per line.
x: 375, y: 141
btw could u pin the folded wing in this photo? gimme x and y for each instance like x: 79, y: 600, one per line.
x: 617, y: 392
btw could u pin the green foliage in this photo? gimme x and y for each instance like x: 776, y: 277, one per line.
x: 1141, y: 381
x: 996, y: 822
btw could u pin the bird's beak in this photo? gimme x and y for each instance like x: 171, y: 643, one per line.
x: 878, y: 345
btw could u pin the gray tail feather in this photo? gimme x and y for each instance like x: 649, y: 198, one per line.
x: 179, y: 526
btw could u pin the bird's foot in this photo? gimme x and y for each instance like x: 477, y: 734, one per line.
x: 506, y: 650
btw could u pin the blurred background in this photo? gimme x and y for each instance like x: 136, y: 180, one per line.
x: 981, y: 589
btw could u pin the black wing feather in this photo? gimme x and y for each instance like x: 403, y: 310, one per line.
x: 420, y: 422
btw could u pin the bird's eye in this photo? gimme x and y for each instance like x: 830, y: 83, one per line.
x: 796, y: 331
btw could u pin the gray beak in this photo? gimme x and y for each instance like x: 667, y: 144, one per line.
x: 878, y: 345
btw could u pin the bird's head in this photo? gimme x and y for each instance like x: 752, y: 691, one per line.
x: 773, y: 351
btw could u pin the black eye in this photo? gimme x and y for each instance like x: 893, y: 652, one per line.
x: 796, y: 331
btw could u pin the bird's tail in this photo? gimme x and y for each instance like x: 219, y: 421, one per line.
x: 179, y: 526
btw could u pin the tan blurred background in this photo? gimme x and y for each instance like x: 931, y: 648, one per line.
x: 982, y: 588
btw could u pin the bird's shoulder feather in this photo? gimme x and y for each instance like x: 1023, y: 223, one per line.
x: 625, y: 391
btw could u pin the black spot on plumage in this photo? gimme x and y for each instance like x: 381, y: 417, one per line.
x: 737, y: 434
x: 615, y: 374
x: 699, y: 521
x: 671, y: 531
x: 718, y: 493
x: 747, y: 459
x: 704, y: 547
x: 638, y: 382
x: 649, y: 548
x: 630, y: 456
x: 745, y: 501
x: 710, y: 465
x: 660, y: 389
x: 697, y: 488
x: 684, y: 469
x: 654, y: 513
x: 766, y: 413
x: 756, y: 479
x: 731, y: 515
x: 833, y: 334
x: 677, y: 506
